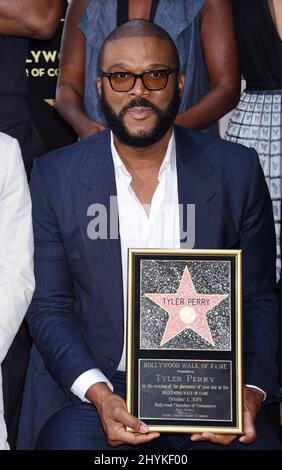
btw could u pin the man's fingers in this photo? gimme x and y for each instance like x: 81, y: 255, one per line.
x: 140, y: 436
x: 249, y: 429
x: 116, y: 418
x: 252, y: 403
x: 121, y: 415
x: 223, y: 439
x: 249, y: 437
x: 197, y: 437
x: 136, y: 438
x: 131, y: 438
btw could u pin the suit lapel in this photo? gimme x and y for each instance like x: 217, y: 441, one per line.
x: 95, y: 184
x: 198, y: 184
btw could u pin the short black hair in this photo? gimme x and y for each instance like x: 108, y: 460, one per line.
x: 138, y: 28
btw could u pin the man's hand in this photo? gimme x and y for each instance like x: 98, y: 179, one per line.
x: 115, y: 417
x: 252, y: 403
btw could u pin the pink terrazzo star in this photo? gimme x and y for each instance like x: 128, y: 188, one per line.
x: 187, y: 309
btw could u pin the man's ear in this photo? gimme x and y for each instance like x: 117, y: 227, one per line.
x: 99, y: 85
x: 181, y: 82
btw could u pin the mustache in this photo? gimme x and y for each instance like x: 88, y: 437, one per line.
x: 139, y: 102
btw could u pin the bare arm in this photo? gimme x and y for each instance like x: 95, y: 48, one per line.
x: 221, y: 59
x: 70, y: 86
x: 30, y: 18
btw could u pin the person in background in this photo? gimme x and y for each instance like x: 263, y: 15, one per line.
x: 20, y: 20
x: 75, y: 384
x: 257, y: 120
x: 202, y: 31
x: 16, y: 253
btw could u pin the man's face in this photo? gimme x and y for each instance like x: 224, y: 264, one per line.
x: 139, y: 117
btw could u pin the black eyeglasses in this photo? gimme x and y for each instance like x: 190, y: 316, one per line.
x: 153, y: 80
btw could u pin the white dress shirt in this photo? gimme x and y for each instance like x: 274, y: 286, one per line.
x: 138, y: 230
x: 16, y: 252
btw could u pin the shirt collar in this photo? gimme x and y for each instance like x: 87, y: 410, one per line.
x: 169, y: 160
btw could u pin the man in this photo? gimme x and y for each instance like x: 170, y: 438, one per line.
x: 77, y: 314
x: 16, y: 252
x: 20, y: 20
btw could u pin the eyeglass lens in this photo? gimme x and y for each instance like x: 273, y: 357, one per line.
x: 154, y: 80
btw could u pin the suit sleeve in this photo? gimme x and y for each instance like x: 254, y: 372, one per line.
x: 16, y: 244
x: 50, y: 316
x: 260, y: 302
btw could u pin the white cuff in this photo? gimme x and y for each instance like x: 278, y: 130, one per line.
x: 85, y: 380
x: 257, y: 388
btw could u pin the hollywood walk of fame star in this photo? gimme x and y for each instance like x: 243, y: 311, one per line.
x: 187, y: 309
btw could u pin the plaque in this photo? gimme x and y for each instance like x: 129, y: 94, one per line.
x: 184, y: 340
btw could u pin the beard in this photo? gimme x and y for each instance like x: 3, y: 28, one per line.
x: 165, y: 120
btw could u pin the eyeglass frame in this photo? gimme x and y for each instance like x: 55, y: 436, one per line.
x: 141, y: 76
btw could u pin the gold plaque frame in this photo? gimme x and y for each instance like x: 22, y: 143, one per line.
x: 185, y: 377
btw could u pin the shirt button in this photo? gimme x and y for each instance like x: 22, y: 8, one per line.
x: 112, y: 362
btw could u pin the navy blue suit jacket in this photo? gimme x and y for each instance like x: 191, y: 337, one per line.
x: 76, y: 316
